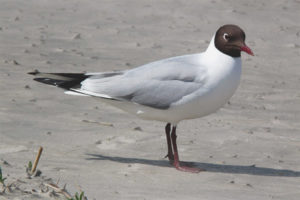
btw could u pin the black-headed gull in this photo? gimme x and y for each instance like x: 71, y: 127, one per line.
x: 169, y: 90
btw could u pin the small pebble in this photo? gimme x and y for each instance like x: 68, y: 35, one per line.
x: 268, y: 129
x: 36, y: 71
x: 138, y: 128
x: 98, y: 142
x: 249, y: 185
x: 4, y: 162
x: 80, y: 53
x: 38, y: 173
x: 77, y: 36
x: 15, y: 62
x: 95, y: 57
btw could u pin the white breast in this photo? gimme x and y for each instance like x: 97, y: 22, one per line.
x: 213, y: 95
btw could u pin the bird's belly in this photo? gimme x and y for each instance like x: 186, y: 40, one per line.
x: 205, y: 104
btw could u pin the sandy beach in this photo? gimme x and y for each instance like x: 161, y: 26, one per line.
x: 250, y: 148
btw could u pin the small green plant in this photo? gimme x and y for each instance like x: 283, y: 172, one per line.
x: 29, y: 166
x: 78, y: 197
x: 1, y: 177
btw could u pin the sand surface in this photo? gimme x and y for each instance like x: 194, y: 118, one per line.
x: 250, y: 148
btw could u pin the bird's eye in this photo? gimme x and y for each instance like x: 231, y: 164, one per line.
x: 226, y: 36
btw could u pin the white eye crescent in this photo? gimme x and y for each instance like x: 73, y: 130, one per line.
x: 226, y: 36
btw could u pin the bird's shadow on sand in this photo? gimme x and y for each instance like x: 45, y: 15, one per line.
x: 209, y: 167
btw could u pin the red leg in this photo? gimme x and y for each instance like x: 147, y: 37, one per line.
x: 168, y: 135
x: 176, y: 156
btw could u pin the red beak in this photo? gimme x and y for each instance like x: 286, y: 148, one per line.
x: 246, y: 49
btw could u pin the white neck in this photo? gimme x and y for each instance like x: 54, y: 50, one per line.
x: 214, y: 54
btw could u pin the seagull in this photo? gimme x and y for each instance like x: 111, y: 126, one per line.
x: 168, y: 90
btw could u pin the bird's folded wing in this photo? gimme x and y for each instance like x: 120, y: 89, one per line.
x: 156, y: 85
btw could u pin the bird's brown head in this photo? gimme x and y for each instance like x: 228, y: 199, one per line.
x: 230, y: 39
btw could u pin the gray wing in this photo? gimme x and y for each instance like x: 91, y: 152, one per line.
x: 161, y: 94
x: 157, y: 85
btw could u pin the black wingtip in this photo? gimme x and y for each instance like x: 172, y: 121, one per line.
x: 49, y: 81
x: 62, y: 80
